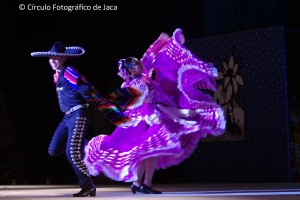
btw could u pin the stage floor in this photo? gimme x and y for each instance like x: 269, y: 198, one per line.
x: 241, y: 191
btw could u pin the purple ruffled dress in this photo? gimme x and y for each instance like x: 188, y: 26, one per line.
x: 167, y: 121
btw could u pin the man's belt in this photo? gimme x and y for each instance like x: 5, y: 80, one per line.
x: 74, y: 108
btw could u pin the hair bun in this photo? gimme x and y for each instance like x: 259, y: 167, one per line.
x: 121, y: 63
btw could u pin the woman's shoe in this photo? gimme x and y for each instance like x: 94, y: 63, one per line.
x: 148, y: 190
x: 86, y: 192
x: 135, y: 188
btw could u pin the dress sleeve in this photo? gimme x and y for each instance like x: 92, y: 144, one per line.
x: 140, y: 86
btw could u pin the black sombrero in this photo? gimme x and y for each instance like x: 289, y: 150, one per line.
x: 59, y: 49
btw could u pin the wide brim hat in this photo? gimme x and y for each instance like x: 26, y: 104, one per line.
x: 59, y: 50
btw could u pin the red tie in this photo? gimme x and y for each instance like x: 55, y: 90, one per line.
x: 56, y: 76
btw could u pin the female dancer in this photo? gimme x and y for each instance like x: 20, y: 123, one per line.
x: 167, y: 120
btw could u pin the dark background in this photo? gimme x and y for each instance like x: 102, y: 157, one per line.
x: 29, y: 110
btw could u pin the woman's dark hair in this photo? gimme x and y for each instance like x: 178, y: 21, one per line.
x: 128, y: 63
